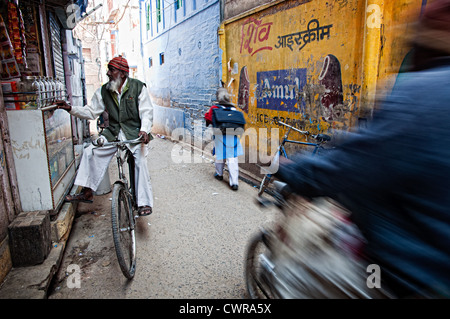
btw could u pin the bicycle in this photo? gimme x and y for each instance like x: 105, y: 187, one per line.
x: 281, y: 150
x: 124, y: 208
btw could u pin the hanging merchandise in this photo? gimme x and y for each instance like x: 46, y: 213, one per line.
x: 23, y: 39
x: 16, y: 31
x: 9, y: 67
x: 33, y: 52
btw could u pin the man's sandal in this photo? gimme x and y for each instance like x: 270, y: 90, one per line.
x: 78, y: 198
x: 144, y: 211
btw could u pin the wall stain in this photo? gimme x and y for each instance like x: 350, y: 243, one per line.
x: 22, y: 151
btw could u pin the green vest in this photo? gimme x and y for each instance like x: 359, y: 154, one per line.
x: 125, y: 116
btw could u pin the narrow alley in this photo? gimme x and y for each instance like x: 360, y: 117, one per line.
x: 192, y: 246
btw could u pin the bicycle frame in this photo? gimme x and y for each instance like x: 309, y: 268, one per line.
x: 123, y: 155
x: 121, y: 159
x: 286, y: 140
x: 281, y: 150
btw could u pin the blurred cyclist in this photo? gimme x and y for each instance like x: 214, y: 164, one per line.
x: 394, y: 176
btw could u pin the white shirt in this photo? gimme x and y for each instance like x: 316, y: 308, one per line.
x: 93, y: 110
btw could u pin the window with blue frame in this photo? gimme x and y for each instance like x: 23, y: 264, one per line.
x: 178, y: 4
x: 158, y: 10
x: 147, y: 15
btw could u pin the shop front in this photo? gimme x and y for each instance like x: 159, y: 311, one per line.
x: 37, y: 152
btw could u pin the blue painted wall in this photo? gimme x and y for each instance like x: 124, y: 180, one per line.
x: 188, y: 78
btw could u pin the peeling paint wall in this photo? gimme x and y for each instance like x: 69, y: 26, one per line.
x: 314, y: 64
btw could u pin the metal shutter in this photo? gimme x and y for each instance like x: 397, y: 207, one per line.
x: 55, y: 33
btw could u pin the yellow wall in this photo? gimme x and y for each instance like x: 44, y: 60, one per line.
x: 325, y: 84
x: 398, y: 17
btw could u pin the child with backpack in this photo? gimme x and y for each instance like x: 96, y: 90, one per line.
x: 227, y: 144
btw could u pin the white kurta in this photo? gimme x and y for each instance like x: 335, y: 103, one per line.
x: 95, y: 161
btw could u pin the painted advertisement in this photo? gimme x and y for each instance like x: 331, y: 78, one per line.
x: 316, y: 65
x: 280, y: 90
x: 294, y: 64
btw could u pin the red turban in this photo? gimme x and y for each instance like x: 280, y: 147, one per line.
x: 119, y: 63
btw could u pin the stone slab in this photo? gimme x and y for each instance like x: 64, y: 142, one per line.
x: 29, y: 238
x: 32, y: 282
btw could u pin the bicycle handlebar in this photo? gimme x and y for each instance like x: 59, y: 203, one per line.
x: 135, y: 141
x: 291, y: 127
x: 319, y: 137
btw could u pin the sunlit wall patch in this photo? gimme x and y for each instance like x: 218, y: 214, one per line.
x: 281, y: 90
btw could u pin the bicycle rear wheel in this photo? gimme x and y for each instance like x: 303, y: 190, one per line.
x: 123, y: 230
x: 257, y: 267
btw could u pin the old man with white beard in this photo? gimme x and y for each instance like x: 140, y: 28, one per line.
x: 130, y: 114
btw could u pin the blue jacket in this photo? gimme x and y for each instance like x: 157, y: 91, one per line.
x: 394, y: 176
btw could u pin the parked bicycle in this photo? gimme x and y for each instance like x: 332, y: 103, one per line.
x: 124, y: 208
x: 281, y: 150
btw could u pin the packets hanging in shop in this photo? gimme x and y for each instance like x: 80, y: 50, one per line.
x: 9, y: 67
x: 16, y: 32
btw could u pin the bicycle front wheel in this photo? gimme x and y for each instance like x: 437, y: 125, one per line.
x: 256, y: 267
x: 123, y: 230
